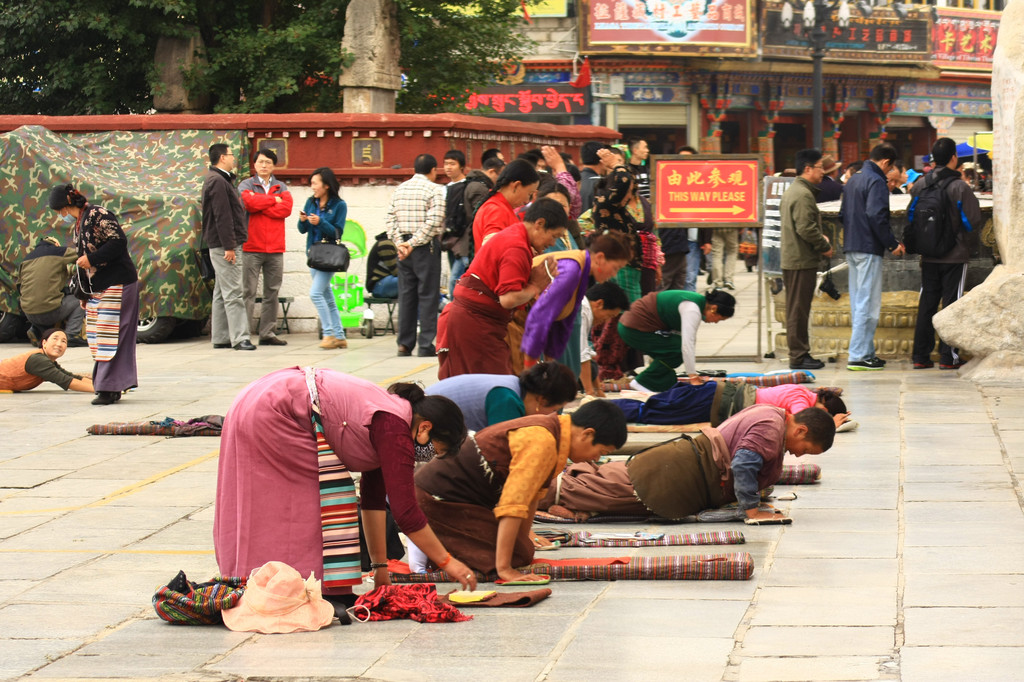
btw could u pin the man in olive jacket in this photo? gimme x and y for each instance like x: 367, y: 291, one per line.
x: 803, y: 246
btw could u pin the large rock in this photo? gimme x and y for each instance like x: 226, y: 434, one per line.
x: 371, y: 36
x: 172, y: 56
x: 988, y: 323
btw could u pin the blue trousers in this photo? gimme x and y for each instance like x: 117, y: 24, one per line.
x: 865, y: 303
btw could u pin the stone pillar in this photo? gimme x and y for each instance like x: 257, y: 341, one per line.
x: 882, y: 107
x: 172, y: 56
x: 715, y: 100
x: 371, y: 36
x: 988, y: 322
x: 838, y: 102
x: 771, y: 103
x: 942, y: 124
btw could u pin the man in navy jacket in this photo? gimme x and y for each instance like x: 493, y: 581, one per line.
x: 866, y: 236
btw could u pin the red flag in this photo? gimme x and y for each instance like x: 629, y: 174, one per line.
x: 526, y: 14
x: 583, y: 79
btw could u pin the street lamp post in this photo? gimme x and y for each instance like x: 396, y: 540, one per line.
x: 817, y: 37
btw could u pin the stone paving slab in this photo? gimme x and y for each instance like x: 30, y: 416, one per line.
x: 958, y: 663
x: 904, y: 562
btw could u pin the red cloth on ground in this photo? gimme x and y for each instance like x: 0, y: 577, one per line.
x: 415, y: 602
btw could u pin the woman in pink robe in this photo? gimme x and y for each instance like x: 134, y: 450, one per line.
x: 268, y: 491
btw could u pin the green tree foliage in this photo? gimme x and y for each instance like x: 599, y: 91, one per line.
x: 271, y: 56
x: 64, y: 57
x: 450, y: 49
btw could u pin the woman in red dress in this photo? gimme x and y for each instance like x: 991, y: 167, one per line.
x: 471, y: 332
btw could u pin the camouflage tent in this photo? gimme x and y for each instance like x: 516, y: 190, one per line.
x: 151, y: 179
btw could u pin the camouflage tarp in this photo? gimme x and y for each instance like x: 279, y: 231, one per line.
x: 151, y: 180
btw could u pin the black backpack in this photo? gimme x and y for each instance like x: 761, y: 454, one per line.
x: 930, y: 232
x: 455, y: 220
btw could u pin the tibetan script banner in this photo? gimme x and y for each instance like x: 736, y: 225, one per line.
x: 667, y: 26
x: 708, y: 190
x: 964, y: 39
x: 527, y: 98
x: 882, y: 37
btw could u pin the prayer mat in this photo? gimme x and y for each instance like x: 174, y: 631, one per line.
x: 587, y: 539
x: 799, y: 474
x: 730, y: 512
x: 208, y: 425
x: 735, y: 566
x: 765, y: 380
x: 510, y: 599
x: 665, y: 428
x: 545, y: 517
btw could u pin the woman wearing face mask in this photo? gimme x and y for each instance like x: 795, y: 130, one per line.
x: 107, y: 274
x: 270, y: 487
x: 323, y: 217
x: 513, y: 188
x: 28, y: 370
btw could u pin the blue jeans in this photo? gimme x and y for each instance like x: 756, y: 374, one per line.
x: 386, y: 288
x: 458, y: 269
x: 865, y: 303
x: 692, y: 266
x: 326, y: 307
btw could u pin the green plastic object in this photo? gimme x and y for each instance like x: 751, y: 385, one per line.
x: 355, y: 237
x: 348, y: 292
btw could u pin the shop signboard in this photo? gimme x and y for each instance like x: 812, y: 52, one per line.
x: 885, y: 36
x: 703, y: 190
x: 964, y: 39
x: 526, y: 98
x: 700, y: 27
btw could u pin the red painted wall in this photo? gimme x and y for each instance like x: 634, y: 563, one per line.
x: 314, y: 140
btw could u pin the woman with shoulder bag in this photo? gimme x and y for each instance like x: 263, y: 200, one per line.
x: 108, y: 276
x: 323, y: 218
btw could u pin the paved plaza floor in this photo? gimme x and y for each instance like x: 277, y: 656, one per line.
x: 906, y: 562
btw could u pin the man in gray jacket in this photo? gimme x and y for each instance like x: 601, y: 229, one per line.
x: 943, y: 278
x: 224, y: 229
x: 803, y: 246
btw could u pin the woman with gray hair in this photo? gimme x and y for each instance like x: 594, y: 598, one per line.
x: 110, y: 289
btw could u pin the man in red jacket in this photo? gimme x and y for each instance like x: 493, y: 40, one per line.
x: 267, y: 203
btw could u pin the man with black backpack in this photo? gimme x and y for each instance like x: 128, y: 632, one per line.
x: 456, y: 237
x: 942, y: 212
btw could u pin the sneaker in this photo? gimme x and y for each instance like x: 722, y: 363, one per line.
x: 730, y: 286
x: 927, y: 364
x: 869, y: 365
x: 952, y: 365
x: 878, y: 360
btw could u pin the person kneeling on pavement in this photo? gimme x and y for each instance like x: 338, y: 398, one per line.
x: 686, y: 476
x: 481, y: 499
x: 43, y: 293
